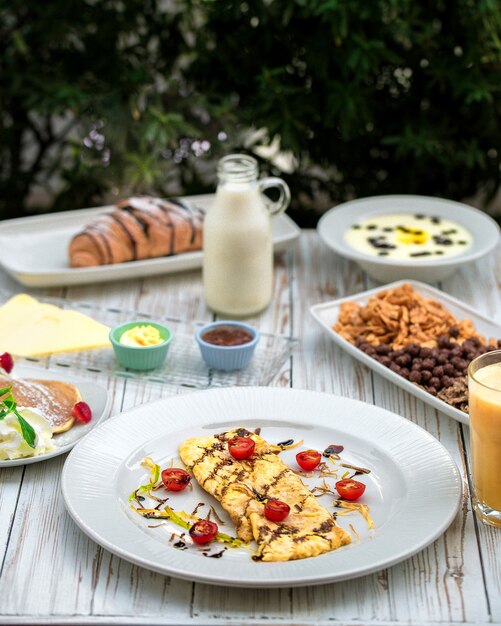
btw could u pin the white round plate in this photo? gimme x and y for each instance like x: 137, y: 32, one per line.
x: 413, y: 490
x: 334, y: 224
x: 94, y: 395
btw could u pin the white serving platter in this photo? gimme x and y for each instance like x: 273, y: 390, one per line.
x: 95, y: 395
x: 326, y: 315
x: 413, y: 491
x: 35, y: 249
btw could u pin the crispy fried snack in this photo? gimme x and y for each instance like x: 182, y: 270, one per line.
x: 399, y: 317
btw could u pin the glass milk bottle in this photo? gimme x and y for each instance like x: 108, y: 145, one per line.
x: 238, y: 250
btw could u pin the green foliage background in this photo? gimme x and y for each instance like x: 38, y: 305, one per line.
x: 386, y: 96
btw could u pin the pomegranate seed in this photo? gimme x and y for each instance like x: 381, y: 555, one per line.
x: 81, y: 412
x: 6, y: 362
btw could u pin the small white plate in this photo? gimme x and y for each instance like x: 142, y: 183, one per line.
x: 413, y: 490
x: 326, y: 315
x: 96, y: 396
x: 334, y: 224
x: 35, y: 249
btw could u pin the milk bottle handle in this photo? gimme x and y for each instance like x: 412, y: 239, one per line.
x: 275, y: 208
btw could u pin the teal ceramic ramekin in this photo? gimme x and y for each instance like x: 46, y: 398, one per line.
x: 227, y: 358
x: 140, y: 358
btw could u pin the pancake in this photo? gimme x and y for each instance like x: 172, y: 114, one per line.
x: 55, y: 399
x: 242, y: 487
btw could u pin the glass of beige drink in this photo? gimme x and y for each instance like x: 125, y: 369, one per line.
x: 484, y: 397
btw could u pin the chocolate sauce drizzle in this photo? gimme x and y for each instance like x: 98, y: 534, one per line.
x: 134, y: 213
x: 100, y: 236
x: 115, y: 216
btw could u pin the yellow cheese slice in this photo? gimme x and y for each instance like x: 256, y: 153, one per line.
x: 31, y: 328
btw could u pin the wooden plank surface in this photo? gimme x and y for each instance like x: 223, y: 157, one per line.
x: 53, y: 572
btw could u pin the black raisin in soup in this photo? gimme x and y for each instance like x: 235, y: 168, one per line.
x: 409, y: 237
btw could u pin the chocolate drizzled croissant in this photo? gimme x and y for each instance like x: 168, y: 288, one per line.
x: 140, y: 228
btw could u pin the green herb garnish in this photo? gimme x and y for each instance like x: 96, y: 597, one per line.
x: 154, y: 478
x: 8, y: 405
x: 168, y: 513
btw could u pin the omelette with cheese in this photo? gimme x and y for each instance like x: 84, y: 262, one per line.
x: 242, y: 487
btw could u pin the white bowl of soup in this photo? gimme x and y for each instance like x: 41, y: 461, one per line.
x: 414, y: 237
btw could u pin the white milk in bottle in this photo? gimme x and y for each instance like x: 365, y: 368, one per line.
x: 238, y: 251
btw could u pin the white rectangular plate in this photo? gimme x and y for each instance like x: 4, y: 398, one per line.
x: 35, y: 249
x: 326, y: 315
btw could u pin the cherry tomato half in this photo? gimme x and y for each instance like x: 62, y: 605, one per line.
x: 276, y: 511
x: 350, y: 489
x: 308, y: 459
x: 241, y: 448
x: 203, y: 531
x: 175, y: 478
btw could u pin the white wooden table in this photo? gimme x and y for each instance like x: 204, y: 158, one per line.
x: 51, y: 573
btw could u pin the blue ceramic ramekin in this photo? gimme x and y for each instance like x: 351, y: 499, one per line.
x: 227, y: 358
x: 140, y: 358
